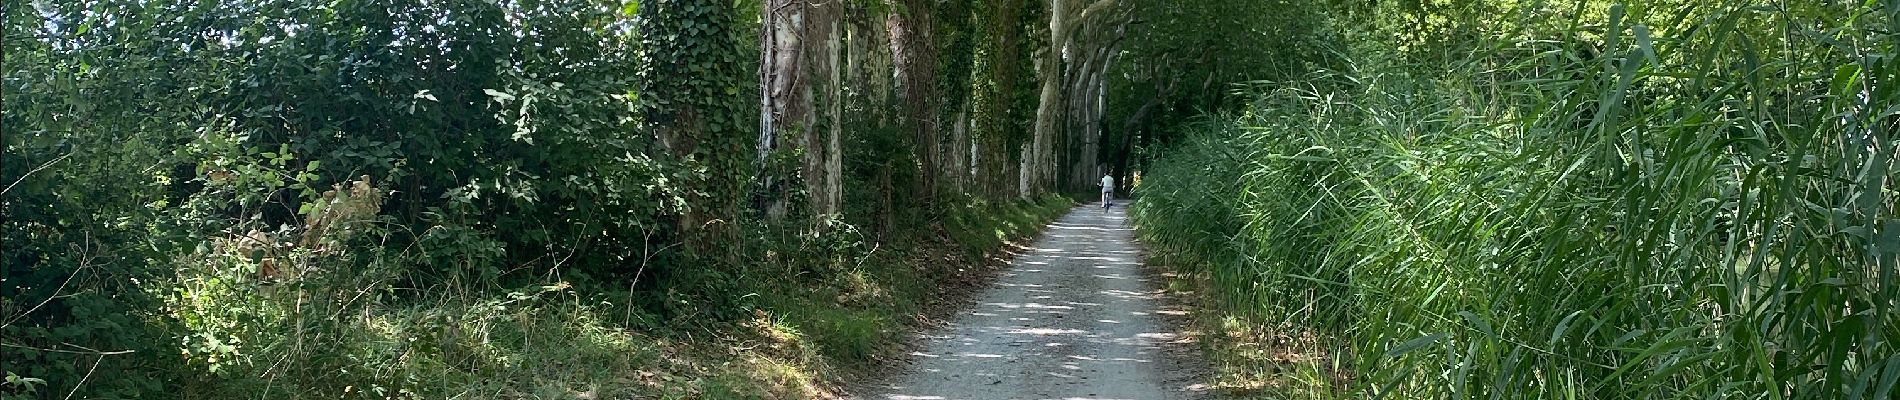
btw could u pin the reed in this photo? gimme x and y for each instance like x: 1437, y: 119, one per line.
x: 1697, y: 203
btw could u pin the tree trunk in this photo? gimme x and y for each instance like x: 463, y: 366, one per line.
x: 1050, y: 132
x: 956, y: 21
x: 1024, y: 169
x: 913, y: 54
x: 784, y: 97
x: 998, y: 117
x: 697, y: 130
x: 960, y: 150
x: 824, y: 175
x: 1049, y: 69
x: 870, y: 66
x: 1075, y: 157
x: 800, y: 45
x: 1134, y: 122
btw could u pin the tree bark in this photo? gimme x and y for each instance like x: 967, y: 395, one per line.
x: 784, y: 97
x: 823, y: 159
x: 799, y: 42
x: 960, y: 151
x: 1049, y: 70
x: 1050, y: 129
x: 913, y: 54
x: 870, y: 66
x: 999, y: 116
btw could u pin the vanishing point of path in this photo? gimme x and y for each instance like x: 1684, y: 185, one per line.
x: 1072, y: 318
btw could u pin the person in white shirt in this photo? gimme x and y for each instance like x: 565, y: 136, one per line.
x: 1108, y: 190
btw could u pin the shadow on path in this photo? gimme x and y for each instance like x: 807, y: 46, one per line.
x: 1072, y: 318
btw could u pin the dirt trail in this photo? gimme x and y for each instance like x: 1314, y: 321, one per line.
x: 1074, y: 318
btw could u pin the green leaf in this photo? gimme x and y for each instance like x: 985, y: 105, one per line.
x: 1846, y: 77
x: 1643, y: 43
x: 1414, y: 344
x: 1562, y: 327
x: 1478, y: 322
x: 1888, y: 241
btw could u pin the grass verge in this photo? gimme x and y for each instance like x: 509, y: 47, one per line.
x: 798, y: 317
x: 806, y: 334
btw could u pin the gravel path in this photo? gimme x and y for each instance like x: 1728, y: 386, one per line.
x: 1074, y: 318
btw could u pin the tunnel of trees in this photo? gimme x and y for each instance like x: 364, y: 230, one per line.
x: 749, y: 198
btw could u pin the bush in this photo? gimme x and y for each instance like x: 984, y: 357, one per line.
x: 205, y: 190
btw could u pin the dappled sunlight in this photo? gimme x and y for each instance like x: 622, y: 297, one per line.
x: 1065, y: 227
x: 1073, y: 316
x: 1027, y: 305
x: 1047, y: 331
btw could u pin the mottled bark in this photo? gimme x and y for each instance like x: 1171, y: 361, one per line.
x: 784, y: 97
x: 799, y: 62
x: 1051, y: 130
x: 1049, y: 70
x: 823, y: 163
x: 913, y: 54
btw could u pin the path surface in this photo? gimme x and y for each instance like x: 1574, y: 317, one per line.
x: 1074, y: 318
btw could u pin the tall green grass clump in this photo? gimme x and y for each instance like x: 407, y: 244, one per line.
x: 1642, y: 201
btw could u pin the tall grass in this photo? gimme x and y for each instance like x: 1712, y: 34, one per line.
x: 1698, y: 203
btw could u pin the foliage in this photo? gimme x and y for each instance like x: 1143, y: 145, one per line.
x: 690, y: 86
x: 199, y: 182
x: 1685, y: 201
x: 1184, y: 58
x: 436, y: 199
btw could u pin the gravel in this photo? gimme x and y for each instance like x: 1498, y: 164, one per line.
x: 1072, y: 318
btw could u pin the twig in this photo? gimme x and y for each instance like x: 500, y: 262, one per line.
x: 88, y: 351
x: 82, y: 380
x: 83, y: 265
x: 646, y: 257
x: 30, y: 173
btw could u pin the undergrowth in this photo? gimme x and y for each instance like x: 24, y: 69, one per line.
x: 461, y: 199
x: 812, y: 310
